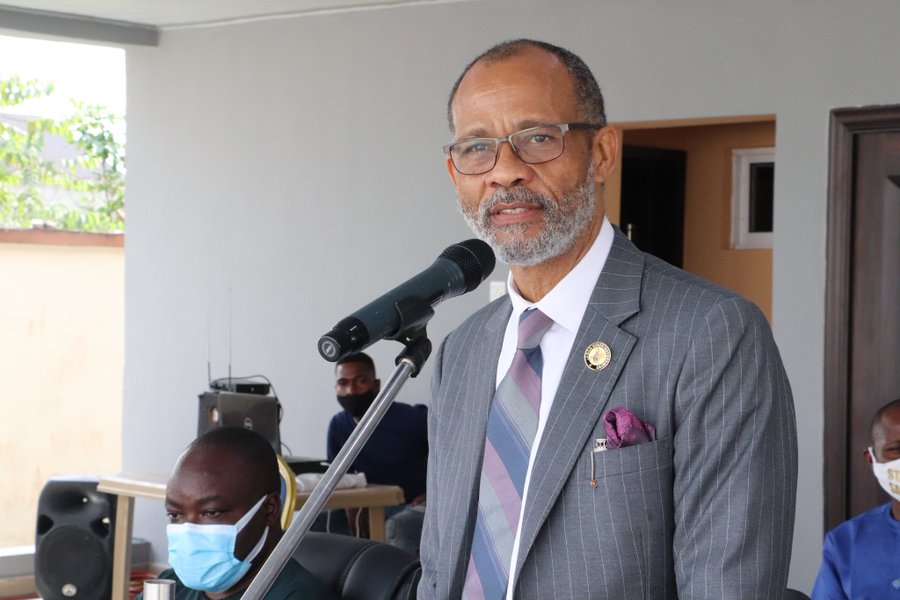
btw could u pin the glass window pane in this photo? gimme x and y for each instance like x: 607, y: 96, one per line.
x: 762, y: 191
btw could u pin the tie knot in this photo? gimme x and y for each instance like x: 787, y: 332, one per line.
x: 533, y: 324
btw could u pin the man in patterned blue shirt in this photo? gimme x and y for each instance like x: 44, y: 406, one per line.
x: 861, y: 557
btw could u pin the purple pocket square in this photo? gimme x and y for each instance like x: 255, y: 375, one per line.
x: 623, y: 428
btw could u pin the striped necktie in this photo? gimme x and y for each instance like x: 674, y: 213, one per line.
x: 512, y: 424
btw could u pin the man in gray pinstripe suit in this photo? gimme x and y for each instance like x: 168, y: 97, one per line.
x: 704, y: 510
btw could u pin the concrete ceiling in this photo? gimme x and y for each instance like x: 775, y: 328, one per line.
x: 162, y: 14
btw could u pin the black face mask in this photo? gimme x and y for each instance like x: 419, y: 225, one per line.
x: 357, y: 404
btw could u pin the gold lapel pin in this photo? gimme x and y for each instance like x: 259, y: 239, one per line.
x: 597, y: 356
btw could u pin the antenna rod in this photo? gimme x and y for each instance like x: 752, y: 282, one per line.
x: 208, y: 336
x: 230, y: 321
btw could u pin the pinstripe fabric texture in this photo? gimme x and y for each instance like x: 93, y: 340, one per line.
x: 705, y: 511
x: 512, y: 424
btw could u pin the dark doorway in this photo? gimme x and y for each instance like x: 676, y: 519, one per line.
x: 653, y: 200
x: 863, y: 300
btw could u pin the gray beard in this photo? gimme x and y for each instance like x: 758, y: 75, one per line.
x: 564, y: 221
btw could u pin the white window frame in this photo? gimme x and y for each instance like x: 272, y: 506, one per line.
x: 741, y: 159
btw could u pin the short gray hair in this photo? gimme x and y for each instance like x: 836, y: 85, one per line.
x: 587, y: 92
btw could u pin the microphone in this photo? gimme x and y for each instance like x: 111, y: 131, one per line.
x: 458, y: 270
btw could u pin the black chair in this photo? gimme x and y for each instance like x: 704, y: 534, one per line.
x: 790, y: 594
x: 358, y: 569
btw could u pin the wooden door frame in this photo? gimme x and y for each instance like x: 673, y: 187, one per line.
x: 845, y: 125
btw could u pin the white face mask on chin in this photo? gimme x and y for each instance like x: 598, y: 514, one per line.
x: 887, y: 474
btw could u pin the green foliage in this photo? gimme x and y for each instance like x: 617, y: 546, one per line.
x: 93, y: 180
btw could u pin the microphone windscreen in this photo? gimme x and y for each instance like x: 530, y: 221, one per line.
x: 475, y: 258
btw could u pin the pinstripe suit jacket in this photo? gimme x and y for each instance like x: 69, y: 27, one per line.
x: 706, y: 511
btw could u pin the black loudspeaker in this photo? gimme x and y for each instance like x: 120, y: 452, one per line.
x: 261, y: 414
x: 74, y: 544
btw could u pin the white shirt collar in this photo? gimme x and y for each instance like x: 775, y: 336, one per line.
x: 568, y: 300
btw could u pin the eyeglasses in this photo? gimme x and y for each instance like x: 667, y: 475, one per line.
x: 534, y: 146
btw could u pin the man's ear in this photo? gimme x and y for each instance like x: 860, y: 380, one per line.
x: 377, y: 386
x: 869, y: 457
x: 451, y: 171
x: 604, y: 152
x: 272, y: 509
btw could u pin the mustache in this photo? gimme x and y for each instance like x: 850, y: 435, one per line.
x: 506, y: 196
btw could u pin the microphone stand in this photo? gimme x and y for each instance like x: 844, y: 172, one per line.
x: 409, y: 363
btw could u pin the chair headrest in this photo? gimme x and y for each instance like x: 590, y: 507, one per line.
x: 358, y: 569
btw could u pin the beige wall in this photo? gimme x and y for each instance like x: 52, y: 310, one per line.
x: 61, y: 365
x: 707, y: 218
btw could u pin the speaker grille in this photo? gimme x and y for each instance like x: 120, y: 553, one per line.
x: 74, y: 540
x: 71, y: 563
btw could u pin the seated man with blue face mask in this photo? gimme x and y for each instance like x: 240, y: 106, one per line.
x: 224, y: 506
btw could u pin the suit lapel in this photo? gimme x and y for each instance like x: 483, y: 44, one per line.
x: 482, y: 369
x: 583, y: 393
x: 485, y: 365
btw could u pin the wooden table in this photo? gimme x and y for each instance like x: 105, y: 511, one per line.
x: 128, y: 487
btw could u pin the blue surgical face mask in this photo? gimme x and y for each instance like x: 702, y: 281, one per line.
x: 203, y: 555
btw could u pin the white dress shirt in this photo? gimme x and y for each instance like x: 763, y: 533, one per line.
x: 565, y: 304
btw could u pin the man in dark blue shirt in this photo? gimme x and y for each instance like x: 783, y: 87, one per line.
x: 397, y: 452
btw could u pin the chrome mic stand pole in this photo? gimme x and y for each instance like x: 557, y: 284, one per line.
x: 409, y: 363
